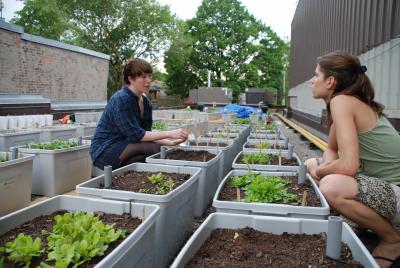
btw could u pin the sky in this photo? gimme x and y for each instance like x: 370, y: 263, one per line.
x: 277, y: 14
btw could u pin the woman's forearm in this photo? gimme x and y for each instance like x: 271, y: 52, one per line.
x: 330, y: 155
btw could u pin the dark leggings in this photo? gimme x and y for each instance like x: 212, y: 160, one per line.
x: 137, y: 152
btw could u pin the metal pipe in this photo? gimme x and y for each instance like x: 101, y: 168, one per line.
x: 14, y: 153
x: 286, y: 141
x: 107, y: 176
x: 290, y: 151
x: 334, y: 237
x: 162, y: 152
x: 302, y: 174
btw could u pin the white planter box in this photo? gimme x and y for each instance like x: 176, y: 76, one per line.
x: 269, y: 208
x: 176, y: 208
x: 266, y: 151
x: 59, y: 171
x: 50, y: 133
x: 275, y: 225
x: 137, y: 250
x: 229, y: 117
x: 263, y: 136
x: 12, y: 138
x: 259, y: 167
x: 86, y: 129
x: 208, y: 180
x: 15, y: 182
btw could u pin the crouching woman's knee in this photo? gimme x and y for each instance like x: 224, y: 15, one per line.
x: 328, y: 189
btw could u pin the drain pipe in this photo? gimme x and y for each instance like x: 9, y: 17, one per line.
x: 290, y: 151
x: 286, y: 142
x: 107, y: 176
x: 14, y: 153
x: 162, y: 152
x: 302, y: 174
x: 334, y: 239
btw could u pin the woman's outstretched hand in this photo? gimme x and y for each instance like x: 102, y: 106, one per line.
x: 179, y: 134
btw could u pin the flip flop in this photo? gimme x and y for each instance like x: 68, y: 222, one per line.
x: 395, y: 263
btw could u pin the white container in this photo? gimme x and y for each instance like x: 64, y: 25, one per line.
x: 85, y: 129
x: 271, y: 150
x: 58, y: 132
x: 275, y: 225
x: 11, y: 138
x: 259, y: 167
x: 59, y: 171
x: 48, y: 119
x: 263, y: 136
x: 30, y: 121
x: 270, y: 209
x: 137, y: 250
x: 176, y: 208
x: 21, y: 119
x: 3, y: 122
x: 41, y: 120
x: 12, y: 122
x: 208, y: 180
x: 15, y: 182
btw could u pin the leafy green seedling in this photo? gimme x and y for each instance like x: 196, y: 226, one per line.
x: 22, y: 249
x: 156, y: 178
x: 158, y: 125
x: 256, y: 158
x: 242, y: 121
x: 2, y: 159
x: 54, y: 145
x: 263, y: 145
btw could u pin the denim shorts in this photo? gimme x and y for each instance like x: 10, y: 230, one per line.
x: 110, y: 156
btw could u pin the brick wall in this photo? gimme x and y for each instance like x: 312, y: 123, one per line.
x: 35, y: 65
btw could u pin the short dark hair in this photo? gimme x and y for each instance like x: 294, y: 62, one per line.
x: 136, y: 67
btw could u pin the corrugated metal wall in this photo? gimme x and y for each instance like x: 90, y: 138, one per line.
x: 322, y: 26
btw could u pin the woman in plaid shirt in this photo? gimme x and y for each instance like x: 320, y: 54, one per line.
x: 124, y: 135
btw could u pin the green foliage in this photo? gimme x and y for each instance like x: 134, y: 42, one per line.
x: 22, y: 249
x: 256, y: 158
x: 270, y: 126
x: 54, y: 145
x: 265, y: 189
x: 78, y: 237
x: 2, y: 159
x: 162, y: 182
x: 158, y: 125
x: 242, y: 121
x: 263, y: 145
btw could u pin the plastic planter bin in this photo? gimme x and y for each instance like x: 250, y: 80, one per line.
x: 259, y: 167
x: 59, y: 171
x: 269, y: 208
x: 176, y: 207
x: 229, y: 117
x: 225, y: 164
x: 50, y: 133
x: 12, y: 138
x: 208, y: 179
x: 85, y: 129
x: 15, y: 182
x: 276, y: 225
x: 137, y: 250
x: 263, y: 136
x: 87, y: 117
x: 267, y: 151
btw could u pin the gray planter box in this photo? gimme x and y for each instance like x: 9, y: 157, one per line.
x: 59, y: 171
x: 275, y: 225
x: 137, y: 250
x: 263, y: 136
x: 176, y: 208
x: 15, y: 182
x: 12, y: 138
x: 236, y: 165
x: 267, y: 151
x: 208, y: 180
x: 85, y: 130
x: 229, y: 117
x: 268, y: 208
x: 51, y: 133
x: 227, y: 155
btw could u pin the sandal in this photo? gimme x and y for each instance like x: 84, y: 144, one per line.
x: 395, y: 263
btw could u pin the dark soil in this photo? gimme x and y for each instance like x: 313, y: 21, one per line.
x: 212, y: 144
x: 228, y: 192
x: 135, y: 181
x: 198, y: 156
x: 250, y: 248
x: 277, y: 147
x: 274, y: 160
x: 35, y: 227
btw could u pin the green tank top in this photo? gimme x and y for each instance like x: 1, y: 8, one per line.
x: 380, y: 152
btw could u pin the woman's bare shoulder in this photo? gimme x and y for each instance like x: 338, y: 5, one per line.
x: 343, y: 101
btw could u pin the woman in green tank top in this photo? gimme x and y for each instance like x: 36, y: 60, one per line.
x: 359, y: 169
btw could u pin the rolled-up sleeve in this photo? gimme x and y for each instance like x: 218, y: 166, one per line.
x: 126, y: 121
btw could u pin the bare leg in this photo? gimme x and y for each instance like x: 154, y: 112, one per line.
x: 142, y: 149
x: 340, y: 192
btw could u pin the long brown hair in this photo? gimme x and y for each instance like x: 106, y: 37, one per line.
x: 350, y: 79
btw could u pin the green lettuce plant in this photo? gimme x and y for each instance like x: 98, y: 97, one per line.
x: 22, y: 249
x: 256, y: 158
x: 54, y: 145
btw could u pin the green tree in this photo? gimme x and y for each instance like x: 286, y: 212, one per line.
x: 42, y: 17
x: 182, y: 74
x: 119, y: 28
x: 224, y: 37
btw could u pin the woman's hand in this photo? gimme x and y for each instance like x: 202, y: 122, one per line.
x: 179, y: 134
